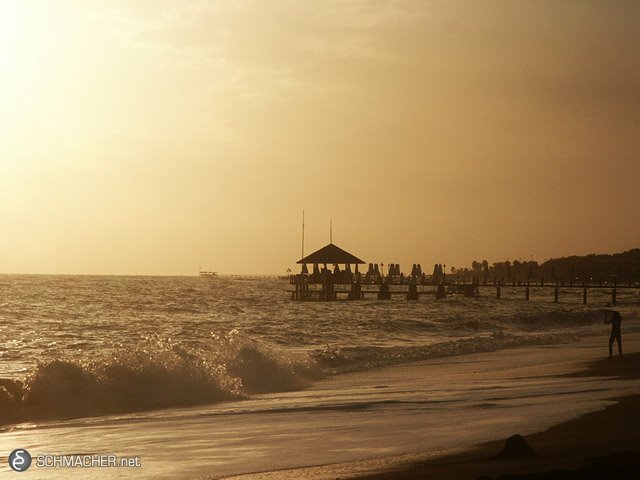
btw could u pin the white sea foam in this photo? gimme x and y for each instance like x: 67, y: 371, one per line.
x: 157, y: 373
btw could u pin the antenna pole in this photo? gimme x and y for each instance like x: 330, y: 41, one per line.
x: 330, y: 231
x: 302, y: 233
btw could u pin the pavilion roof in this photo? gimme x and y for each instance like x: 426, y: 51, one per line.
x: 331, y: 254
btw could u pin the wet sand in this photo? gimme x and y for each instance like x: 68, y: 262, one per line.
x: 602, y: 444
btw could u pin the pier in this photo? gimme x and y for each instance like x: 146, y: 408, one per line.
x: 335, y: 275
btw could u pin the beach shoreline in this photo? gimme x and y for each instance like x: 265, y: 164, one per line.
x: 436, y: 414
x: 605, y: 440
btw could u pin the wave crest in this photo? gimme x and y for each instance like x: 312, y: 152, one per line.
x: 347, y: 359
x: 157, y: 374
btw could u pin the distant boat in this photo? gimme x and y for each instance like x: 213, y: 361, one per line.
x: 285, y: 277
x: 207, y: 273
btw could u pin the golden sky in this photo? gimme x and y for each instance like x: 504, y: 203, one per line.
x: 154, y: 137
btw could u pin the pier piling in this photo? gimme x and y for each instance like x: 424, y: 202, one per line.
x: 384, y: 292
x: 356, y: 292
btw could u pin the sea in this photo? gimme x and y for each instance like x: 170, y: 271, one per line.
x: 99, y: 359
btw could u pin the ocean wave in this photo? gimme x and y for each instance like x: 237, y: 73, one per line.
x: 561, y: 318
x: 162, y: 372
x: 157, y: 374
x: 336, y: 359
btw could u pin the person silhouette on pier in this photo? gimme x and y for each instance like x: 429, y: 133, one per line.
x: 615, y: 319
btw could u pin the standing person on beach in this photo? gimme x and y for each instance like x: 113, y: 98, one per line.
x: 615, y: 319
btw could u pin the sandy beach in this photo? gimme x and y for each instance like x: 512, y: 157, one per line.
x: 604, y: 442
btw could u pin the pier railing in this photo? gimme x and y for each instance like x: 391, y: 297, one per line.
x: 345, y: 285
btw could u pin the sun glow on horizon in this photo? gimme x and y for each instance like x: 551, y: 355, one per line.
x: 17, y: 65
x: 153, y: 137
x: 38, y: 52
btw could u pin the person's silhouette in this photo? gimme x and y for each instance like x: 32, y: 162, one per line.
x: 615, y: 319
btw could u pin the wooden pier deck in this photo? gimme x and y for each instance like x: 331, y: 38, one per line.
x: 325, y: 284
x: 326, y: 288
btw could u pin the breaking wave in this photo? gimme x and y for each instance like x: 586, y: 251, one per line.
x: 336, y: 359
x: 561, y: 318
x: 157, y: 374
x: 161, y: 373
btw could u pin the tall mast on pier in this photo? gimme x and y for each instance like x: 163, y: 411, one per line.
x: 330, y: 231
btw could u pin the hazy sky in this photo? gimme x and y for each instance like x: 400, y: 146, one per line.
x: 154, y: 137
